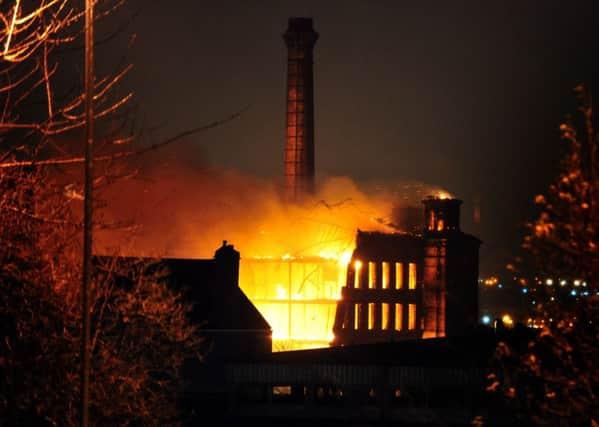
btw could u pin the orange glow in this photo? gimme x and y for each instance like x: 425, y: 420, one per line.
x: 398, y: 317
x: 385, y: 278
x: 385, y: 315
x: 294, y: 257
x: 398, y: 275
x: 507, y: 320
x: 371, y: 315
x: 412, y: 276
x: 491, y: 281
x: 412, y: 317
x: 297, y: 295
x: 371, y: 275
x: 440, y: 224
x: 357, y: 269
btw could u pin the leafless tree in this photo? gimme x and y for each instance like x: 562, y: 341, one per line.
x: 139, y: 327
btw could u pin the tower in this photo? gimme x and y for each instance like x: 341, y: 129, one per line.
x: 450, y: 291
x: 300, y: 39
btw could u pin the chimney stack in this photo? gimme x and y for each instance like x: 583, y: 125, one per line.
x: 300, y: 39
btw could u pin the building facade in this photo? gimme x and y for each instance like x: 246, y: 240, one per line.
x: 411, y: 285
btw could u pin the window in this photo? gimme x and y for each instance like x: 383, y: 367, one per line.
x: 412, y: 276
x: 356, y: 316
x: 412, y: 316
x: 371, y: 275
x: 440, y: 224
x: 398, y: 275
x: 431, y: 221
x: 385, y: 315
x: 385, y: 278
x: 371, y: 315
x: 357, y: 272
x: 284, y: 390
x: 398, y: 314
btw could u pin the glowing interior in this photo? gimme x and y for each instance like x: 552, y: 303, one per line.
x: 296, y: 295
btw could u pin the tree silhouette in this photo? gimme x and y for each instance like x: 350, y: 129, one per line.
x: 553, y: 378
x: 140, y: 333
x: 563, y: 240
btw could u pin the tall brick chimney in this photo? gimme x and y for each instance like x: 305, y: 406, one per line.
x: 300, y: 39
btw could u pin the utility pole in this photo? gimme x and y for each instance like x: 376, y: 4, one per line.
x: 88, y: 209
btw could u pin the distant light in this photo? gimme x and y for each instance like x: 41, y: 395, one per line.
x: 573, y: 292
x: 577, y: 282
x: 549, y: 282
x: 562, y: 283
x: 552, y: 298
x: 586, y: 293
x: 507, y: 320
x: 534, y: 302
x: 500, y: 286
x: 524, y: 290
x: 584, y: 284
x: 486, y: 319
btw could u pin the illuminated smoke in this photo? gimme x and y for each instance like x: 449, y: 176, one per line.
x: 187, y: 212
x: 293, y: 257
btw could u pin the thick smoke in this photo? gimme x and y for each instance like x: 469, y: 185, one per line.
x: 187, y: 210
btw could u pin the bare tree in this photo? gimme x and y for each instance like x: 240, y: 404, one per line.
x: 140, y: 333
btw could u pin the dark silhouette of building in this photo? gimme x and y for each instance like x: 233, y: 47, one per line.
x: 406, y: 285
x: 227, y: 318
x: 436, y: 382
x: 300, y: 39
x: 407, y: 218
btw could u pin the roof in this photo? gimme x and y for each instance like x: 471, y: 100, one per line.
x: 216, y: 304
x: 467, y: 351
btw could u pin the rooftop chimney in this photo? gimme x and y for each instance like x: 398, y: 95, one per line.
x: 300, y: 39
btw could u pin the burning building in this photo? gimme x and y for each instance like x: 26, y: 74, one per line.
x: 407, y: 286
x: 396, y: 286
x: 297, y: 291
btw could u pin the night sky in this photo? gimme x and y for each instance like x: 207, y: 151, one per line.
x: 464, y: 95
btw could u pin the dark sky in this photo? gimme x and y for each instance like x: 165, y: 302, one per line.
x: 465, y: 95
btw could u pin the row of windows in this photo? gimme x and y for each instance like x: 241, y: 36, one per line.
x: 331, y: 394
x: 388, y: 321
x: 398, y: 277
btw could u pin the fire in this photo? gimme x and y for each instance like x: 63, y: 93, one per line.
x: 297, y: 295
x: 293, y: 257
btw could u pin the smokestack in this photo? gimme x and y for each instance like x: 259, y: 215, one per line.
x: 300, y: 39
